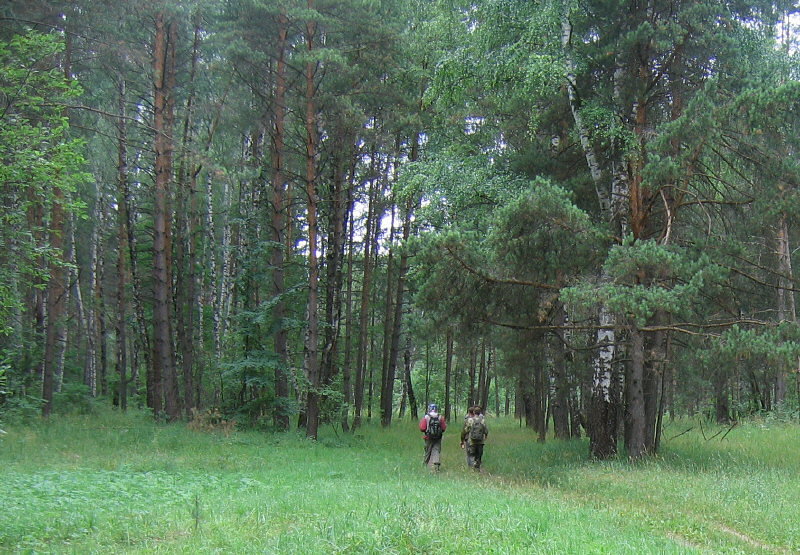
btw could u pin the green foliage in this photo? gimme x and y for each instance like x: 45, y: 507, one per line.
x: 459, y: 187
x: 541, y: 234
x: 38, y: 158
x: 16, y: 404
x: 678, y: 280
x: 74, y: 398
x: 778, y: 345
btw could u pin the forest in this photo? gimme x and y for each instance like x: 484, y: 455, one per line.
x: 299, y: 213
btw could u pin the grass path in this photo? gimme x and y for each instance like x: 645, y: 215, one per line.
x: 124, y: 485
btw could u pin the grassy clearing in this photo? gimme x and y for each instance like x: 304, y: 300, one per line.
x: 121, y: 484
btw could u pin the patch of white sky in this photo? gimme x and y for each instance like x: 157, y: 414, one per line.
x: 787, y: 31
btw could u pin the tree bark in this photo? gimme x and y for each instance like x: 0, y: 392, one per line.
x: 601, y: 420
x: 186, y: 246
x: 408, y: 362
x: 86, y: 328
x: 164, y: 378
x: 340, y: 204
x: 371, y: 227
x: 312, y: 369
x: 56, y: 302
x: 347, y: 370
x: 280, y: 341
x: 122, y: 242
x: 787, y: 310
x: 448, y: 372
x: 560, y: 394
x: 635, y: 425
x: 387, y: 384
x: 397, y: 325
x: 57, y: 290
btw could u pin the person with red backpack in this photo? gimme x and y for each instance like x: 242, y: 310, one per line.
x: 433, y: 425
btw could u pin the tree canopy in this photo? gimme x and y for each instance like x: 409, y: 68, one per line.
x: 581, y: 212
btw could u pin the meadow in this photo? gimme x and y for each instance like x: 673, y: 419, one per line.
x: 114, y: 483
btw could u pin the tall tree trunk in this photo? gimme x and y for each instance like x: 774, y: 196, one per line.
x: 186, y: 245
x: 490, y: 376
x: 98, y: 306
x: 539, y: 392
x: 396, y: 330
x: 340, y: 207
x: 480, y: 397
x: 141, y: 344
x: 448, y: 372
x: 526, y: 396
x: 57, y: 289
x: 560, y: 395
x: 602, y: 410
x: 122, y: 241
x: 654, y: 368
x: 164, y: 377
x: 472, y: 396
x: 397, y: 325
x: 408, y: 362
x: 722, y: 411
x: 277, y: 262
x: 347, y: 370
x: 312, y: 369
x: 635, y: 435
x: 387, y: 384
x: 56, y: 302
x: 787, y: 310
x: 85, y: 317
x: 371, y: 227
x: 36, y: 300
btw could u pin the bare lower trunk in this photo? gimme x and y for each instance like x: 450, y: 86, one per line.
x: 408, y: 361
x: 786, y: 301
x: 635, y: 425
x: 603, y: 408
x: 387, y: 384
x: 364, y: 307
x: 397, y: 325
x: 448, y: 371
x: 347, y: 370
x: 560, y: 386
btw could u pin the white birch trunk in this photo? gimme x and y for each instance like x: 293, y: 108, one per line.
x: 601, y: 424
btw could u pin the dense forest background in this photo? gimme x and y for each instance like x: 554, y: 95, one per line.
x: 290, y: 213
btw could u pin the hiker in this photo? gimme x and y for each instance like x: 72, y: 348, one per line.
x: 433, y: 426
x: 473, y: 436
x: 467, y: 451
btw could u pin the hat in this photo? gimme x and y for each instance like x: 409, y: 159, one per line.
x: 433, y: 407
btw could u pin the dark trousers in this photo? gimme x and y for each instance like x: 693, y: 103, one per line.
x: 476, y: 454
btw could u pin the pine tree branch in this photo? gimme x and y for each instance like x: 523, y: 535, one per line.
x: 493, y: 279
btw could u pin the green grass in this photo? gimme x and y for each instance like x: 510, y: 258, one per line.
x: 122, y: 484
